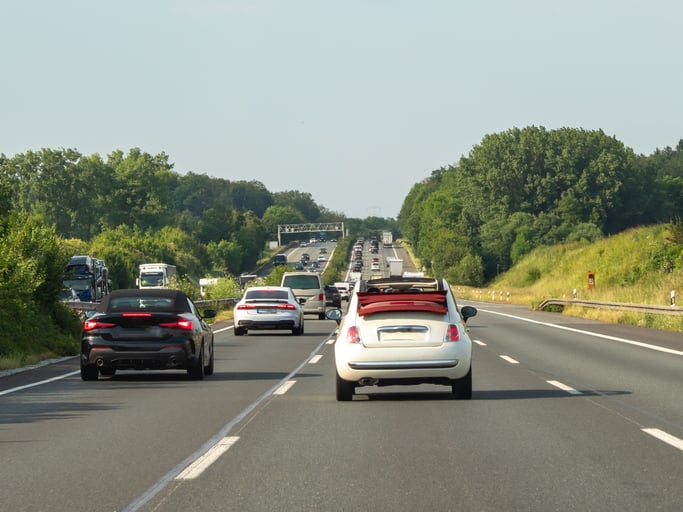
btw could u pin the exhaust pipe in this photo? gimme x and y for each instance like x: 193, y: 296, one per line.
x: 368, y: 381
x: 99, y: 362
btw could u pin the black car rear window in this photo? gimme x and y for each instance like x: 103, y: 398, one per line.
x: 142, y: 304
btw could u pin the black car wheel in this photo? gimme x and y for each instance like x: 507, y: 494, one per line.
x: 240, y: 331
x: 89, y: 372
x: 345, y: 390
x: 462, y: 388
x: 196, y: 371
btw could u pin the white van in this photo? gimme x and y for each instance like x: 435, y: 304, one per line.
x: 309, y: 290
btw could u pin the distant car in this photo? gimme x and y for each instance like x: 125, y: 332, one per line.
x: 323, y: 250
x: 280, y: 259
x: 374, y: 266
x: 403, y: 331
x: 305, y: 257
x: 321, y: 258
x: 152, y: 329
x: 344, y: 289
x: 268, y: 308
x: 332, y: 296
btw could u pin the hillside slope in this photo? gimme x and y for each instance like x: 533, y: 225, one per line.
x: 641, y: 265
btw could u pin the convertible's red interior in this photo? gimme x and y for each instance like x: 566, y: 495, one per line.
x: 380, y: 302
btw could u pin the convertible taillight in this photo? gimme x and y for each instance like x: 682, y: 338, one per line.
x: 352, y: 335
x: 452, y: 333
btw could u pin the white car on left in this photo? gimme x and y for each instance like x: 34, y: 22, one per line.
x: 268, y: 308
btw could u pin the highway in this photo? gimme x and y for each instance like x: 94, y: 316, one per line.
x: 567, y: 414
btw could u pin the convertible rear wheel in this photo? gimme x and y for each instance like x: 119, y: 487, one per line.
x: 462, y: 388
x: 345, y: 390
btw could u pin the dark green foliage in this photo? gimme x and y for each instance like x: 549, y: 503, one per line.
x: 31, y: 265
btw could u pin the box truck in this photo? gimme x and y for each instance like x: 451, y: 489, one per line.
x: 155, y: 275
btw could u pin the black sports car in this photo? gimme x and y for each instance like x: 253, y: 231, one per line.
x: 155, y: 329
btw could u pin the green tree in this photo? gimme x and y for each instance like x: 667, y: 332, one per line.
x: 140, y: 192
x: 303, y: 202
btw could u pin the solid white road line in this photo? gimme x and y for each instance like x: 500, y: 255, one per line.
x: 589, y: 333
x: 19, y: 388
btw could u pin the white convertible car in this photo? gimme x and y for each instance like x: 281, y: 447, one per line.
x: 403, y: 330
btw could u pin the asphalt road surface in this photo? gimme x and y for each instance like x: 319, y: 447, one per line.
x: 567, y: 414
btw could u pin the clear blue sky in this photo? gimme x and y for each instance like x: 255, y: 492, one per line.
x: 352, y: 101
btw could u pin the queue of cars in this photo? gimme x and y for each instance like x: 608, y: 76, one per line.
x: 400, y: 330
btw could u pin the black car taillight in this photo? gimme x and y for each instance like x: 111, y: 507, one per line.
x: 90, y: 325
x: 181, y: 323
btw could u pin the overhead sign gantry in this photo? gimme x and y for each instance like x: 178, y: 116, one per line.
x: 313, y: 227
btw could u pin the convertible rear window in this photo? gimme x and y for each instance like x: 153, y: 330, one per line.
x: 370, y: 303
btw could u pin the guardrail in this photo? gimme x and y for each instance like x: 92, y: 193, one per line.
x: 619, y: 306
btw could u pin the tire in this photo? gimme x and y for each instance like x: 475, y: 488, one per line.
x: 321, y: 316
x: 107, y: 371
x: 196, y: 371
x: 462, y: 388
x: 208, y: 370
x: 239, y: 331
x: 345, y: 390
x: 89, y: 372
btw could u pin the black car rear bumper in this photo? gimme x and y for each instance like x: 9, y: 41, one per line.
x: 167, y: 357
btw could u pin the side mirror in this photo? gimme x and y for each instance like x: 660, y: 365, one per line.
x: 468, y: 312
x: 334, y: 314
